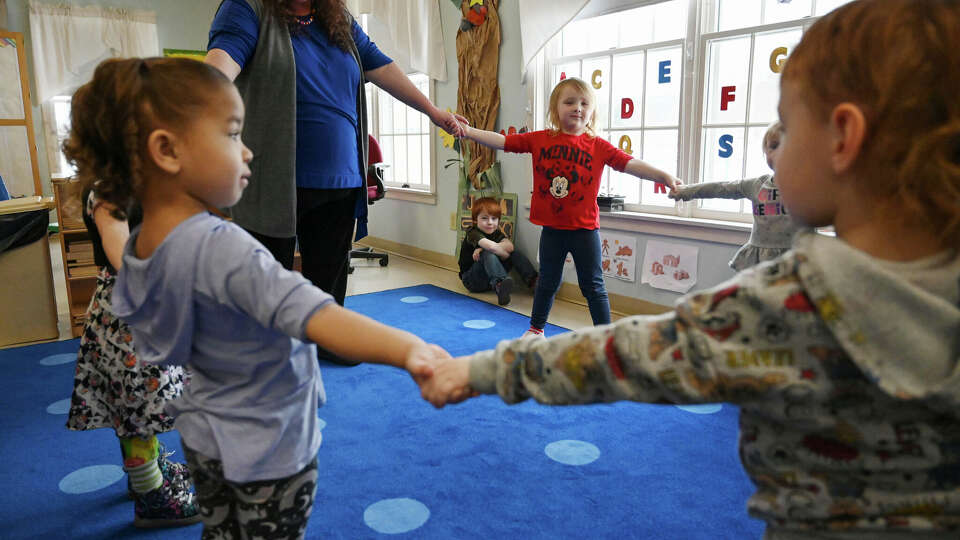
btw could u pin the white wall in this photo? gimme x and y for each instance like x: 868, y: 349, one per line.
x: 181, y: 24
x: 428, y: 226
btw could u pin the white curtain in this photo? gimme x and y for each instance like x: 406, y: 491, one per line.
x: 69, y: 41
x: 540, y: 20
x: 409, y: 31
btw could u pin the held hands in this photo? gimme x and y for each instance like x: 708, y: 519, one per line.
x: 451, y: 123
x: 680, y: 194
x: 449, y: 383
x: 442, y: 379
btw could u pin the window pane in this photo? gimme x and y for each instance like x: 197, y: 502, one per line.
x: 589, y: 35
x: 562, y: 71
x: 425, y: 159
x: 399, y: 114
x: 635, y: 27
x: 726, y: 88
x: 721, y: 169
x: 826, y: 6
x: 765, y: 92
x: 756, y: 159
x: 386, y: 146
x: 627, y: 90
x: 775, y: 11
x: 413, y: 120
x: 400, y: 164
x: 664, y: 72
x: 11, y: 94
x: 385, y: 114
x: 413, y: 157
x: 660, y: 149
x: 631, y: 142
x: 670, y: 20
x: 597, y: 71
x: 737, y: 14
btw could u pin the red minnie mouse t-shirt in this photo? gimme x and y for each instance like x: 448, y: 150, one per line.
x: 566, y: 176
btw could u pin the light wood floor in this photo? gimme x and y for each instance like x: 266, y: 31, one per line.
x: 368, y: 277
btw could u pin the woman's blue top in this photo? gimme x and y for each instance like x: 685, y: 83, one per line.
x: 327, y: 79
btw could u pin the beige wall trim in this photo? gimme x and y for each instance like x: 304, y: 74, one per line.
x: 569, y: 292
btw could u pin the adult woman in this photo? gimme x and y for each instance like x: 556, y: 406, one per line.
x: 300, y: 66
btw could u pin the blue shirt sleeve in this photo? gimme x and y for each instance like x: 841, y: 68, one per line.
x: 370, y: 55
x: 235, y: 30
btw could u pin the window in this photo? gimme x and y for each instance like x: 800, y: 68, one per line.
x: 60, y: 112
x: 404, y: 137
x: 708, y: 131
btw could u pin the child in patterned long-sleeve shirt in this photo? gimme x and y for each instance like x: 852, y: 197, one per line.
x: 844, y: 353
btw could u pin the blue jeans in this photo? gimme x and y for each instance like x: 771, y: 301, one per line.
x: 489, y: 270
x: 584, y: 245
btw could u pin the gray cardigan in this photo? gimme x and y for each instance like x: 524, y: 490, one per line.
x: 268, y: 85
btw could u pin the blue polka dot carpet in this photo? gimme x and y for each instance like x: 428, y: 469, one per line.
x: 392, y: 466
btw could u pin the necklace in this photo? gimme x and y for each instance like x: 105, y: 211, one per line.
x: 304, y: 21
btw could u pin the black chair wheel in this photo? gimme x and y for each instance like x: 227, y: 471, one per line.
x: 384, y: 260
x: 350, y: 269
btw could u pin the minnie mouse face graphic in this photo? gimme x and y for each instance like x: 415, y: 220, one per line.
x: 559, y: 187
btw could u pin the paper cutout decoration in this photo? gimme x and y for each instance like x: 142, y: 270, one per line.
x: 512, y: 130
x: 671, y: 267
x: 446, y: 139
x: 777, y: 58
x: 618, y: 256
x: 726, y: 145
x: 727, y: 94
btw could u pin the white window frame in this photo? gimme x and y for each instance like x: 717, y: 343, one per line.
x: 59, y: 130
x: 686, y: 220
x: 425, y: 192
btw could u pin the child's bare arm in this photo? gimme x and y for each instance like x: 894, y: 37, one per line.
x: 644, y: 170
x: 484, y: 137
x: 113, y: 233
x: 351, y: 335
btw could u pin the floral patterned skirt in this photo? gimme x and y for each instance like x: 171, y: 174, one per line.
x: 111, y: 387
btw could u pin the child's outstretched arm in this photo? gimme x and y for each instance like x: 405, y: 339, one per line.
x: 737, y: 189
x: 351, y: 335
x: 487, y: 138
x: 712, y: 348
x: 113, y: 233
x: 642, y: 169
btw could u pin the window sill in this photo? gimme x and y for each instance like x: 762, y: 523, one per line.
x: 411, y: 195
x: 708, y: 230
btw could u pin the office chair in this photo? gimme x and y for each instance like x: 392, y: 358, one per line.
x: 375, y: 192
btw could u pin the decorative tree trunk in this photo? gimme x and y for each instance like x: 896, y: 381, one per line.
x: 478, y: 98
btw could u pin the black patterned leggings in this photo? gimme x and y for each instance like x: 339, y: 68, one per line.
x: 270, y: 509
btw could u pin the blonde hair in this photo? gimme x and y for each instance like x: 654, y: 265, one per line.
x: 773, y: 130
x: 553, y: 117
x: 893, y: 59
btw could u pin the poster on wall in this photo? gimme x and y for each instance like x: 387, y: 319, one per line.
x: 618, y: 256
x: 672, y: 267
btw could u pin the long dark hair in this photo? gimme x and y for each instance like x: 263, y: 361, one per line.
x: 331, y: 15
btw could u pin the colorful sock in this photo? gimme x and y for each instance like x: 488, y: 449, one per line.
x: 140, y: 462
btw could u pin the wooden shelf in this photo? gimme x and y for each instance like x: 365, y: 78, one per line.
x: 79, y: 288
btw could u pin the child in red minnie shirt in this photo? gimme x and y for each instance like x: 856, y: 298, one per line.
x: 568, y: 161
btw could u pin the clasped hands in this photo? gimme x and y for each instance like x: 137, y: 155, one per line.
x: 442, y: 378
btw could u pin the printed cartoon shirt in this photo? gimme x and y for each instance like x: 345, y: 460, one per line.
x: 566, y: 176
x: 846, y: 370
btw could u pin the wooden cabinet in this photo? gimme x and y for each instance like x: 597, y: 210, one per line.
x: 76, y: 248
